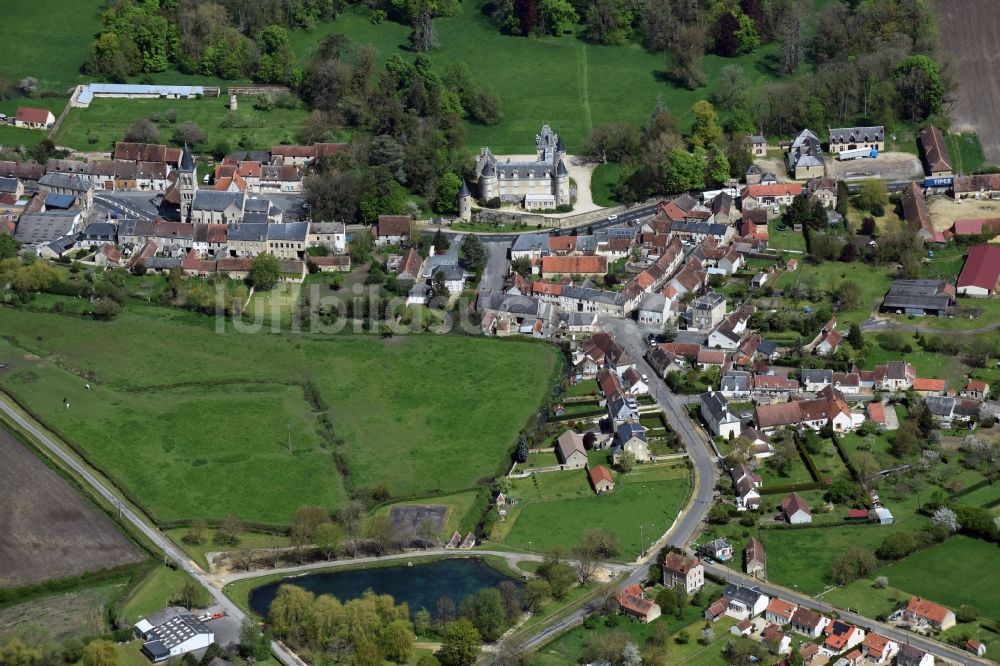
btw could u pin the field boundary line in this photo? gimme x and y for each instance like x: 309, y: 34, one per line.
x: 584, y: 85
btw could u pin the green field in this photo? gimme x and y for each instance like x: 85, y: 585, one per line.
x: 157, y: 590
x: 574, y: 85
x: 555, y: 508
x: 787, y: 566
x: 48, y: 41
x: 105, y: 121
x: 966, y: 152
x: 195, y: 424
x: 945, y: 573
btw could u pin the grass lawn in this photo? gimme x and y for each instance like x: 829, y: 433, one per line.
x: 785, y: 547
x: 971, y: 313
x: 278, y: 304
x: 946, y: 263
x: 852, y: 443
x: 966, y: 152
x: 158, y: 589
x: 982, y: 496
x: 584, y: 82
x: 106, y: 121
x: 52, y: 49
x: 554, y: 509
x: 785, y: 239
x: 604, y: 178
x: 944, y: 572
x: 195, y: 424
x: 873, y: 282
x: 863, y: 597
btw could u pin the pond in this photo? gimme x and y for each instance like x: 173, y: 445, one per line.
x: 420, y: 585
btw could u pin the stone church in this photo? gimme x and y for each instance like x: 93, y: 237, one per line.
x: 541, y: 184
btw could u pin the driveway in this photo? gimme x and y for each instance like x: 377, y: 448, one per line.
x: 889, y: 166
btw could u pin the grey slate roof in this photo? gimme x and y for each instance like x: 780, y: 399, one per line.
x: 44, y: 227
x: 211, y: 200
x: 62, y: 244
x: 99, y: 231
x: 258, y: 205
x: 596, y: 295
x: 816, y: 376
x: 746, y: 595
x: 66, y: 181
x: 247, y: 232
x: 162, y: 263
x: 735, y: 381
x: 857, y: 134
x: 529, y: 242
x: 766, y: 347
x: 289, y: 231
x: 715, y: 403
x: 8, y: 184
x: 627, y: 431
x: 254, y: 218
x: 464, y: 190
x: 187, y: 162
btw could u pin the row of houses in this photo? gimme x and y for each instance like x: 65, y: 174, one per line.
x: 823, y: 639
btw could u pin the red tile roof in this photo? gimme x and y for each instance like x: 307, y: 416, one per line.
x: 922, y: 384
x: 935, y: 613
x: 392, y: 225
x: 600, y: 473
x: 982, y: 268
x: 547, y: 288
x: 775, y: 190
x: 680, y: 563
x: 935, y: 150
x: 781, y: 608
x: 574, y: 265
x: 29, y: 114
x: 976, y: 385
x: 876, y: 412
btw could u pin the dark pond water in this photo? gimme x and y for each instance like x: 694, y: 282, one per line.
x: 420, y: 586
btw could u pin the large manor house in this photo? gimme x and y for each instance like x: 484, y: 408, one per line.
x: 542, y: 184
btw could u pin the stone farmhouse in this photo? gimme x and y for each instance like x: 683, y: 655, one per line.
x: 540, y: 184
x: 852, y: 138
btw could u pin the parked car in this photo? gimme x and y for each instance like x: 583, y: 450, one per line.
x: 612, y: 217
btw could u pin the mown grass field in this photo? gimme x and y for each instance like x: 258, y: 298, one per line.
x: 106, y: 120
x: 966, y: 152
x: 562, y: 81
x: 48, y: 41
x: 787, y: 565
x: 195, y: 424
x: 555, y: 508
x: 944, y: 574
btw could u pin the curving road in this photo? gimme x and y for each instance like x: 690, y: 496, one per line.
x: 688, y: 524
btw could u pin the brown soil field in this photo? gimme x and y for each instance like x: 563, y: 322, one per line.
x: 63, y: 616
x: 968, y: 32
x: 47, y: 529
x: 944, y: 211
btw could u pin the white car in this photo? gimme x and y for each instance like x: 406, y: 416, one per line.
x: 612, y: 217
x: 645, y: 378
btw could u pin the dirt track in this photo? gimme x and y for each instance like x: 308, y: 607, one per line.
x: 968, y: 32
x: 47, y: 530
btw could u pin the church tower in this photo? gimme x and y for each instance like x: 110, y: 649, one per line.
x: 187, y: 183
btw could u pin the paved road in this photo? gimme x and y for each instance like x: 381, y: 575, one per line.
x: 496, y: 267
x: 512, y: 561
x: 135, y: 204
x: 899, y: 635
x: 688, y: 524
x: 285, y: 656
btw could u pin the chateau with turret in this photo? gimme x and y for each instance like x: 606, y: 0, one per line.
x: 537, y: 185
